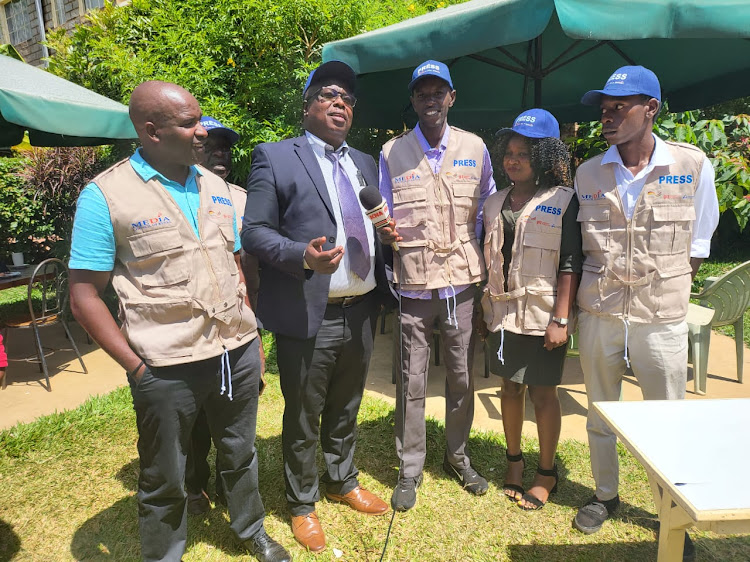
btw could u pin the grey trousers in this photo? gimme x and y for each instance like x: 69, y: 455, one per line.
x: 418, y: 317
x: 658, y: 357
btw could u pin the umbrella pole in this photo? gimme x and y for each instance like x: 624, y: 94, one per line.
x: 538, y: 71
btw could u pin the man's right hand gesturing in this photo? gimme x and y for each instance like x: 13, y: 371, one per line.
x: 322, y: 261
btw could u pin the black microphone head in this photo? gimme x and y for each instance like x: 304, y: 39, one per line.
x: 370, y: 197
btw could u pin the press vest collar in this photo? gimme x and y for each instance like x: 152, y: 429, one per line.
x: 426, y: 145
x: 661, y: 156
x: 320, y: 146
x: 147, y: 172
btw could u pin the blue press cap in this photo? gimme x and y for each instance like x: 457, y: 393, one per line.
x: 535, y: 124
x: 211, y: 124
x: 431, y: 68
x: 626, y: 81
x: 333, y: 71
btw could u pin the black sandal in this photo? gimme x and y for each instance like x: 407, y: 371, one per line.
x: 514, y: 487
x: 536, y: 502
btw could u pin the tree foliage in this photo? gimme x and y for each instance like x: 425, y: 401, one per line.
x: 246, y: 61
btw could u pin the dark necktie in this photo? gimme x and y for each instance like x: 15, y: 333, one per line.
x: 357, y: 246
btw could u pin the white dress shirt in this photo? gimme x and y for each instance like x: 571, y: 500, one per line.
x: 344, y: 283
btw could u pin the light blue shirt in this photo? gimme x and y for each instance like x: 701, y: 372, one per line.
x: 93, y: 247
x: 435, y: 159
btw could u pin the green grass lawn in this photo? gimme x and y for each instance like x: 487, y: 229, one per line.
x: 68, y: 486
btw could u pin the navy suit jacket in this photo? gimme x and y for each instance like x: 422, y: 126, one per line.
x: 287, y: 206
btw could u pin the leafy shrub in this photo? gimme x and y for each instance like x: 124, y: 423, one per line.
x: 245, y: 61
x: 38, y: 193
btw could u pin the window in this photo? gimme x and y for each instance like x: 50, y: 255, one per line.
x: 58, y: 12
x: 19, y: 24
x: 91, y: 4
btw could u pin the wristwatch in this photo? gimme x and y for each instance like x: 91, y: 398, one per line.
x: 561, y: 321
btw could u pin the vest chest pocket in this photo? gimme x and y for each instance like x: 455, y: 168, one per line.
x: 595, y: 227
x: 671, y: 229
x: 541, y: 255
x: 160, y: 259
x: 465, y: 198
x: 410, y: 212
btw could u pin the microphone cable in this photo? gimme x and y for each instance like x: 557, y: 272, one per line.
x: 404, y: 394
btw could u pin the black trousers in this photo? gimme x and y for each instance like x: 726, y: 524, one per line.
x: 197, y: 471
x: 322, y: 379
x: 166, y: 402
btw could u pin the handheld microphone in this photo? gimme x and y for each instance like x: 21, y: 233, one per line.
x: 376, y: 208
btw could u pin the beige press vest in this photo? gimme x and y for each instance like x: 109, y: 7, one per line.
x: 436, y: 213
x: 528, y: 305
x: 639, y: 269
x: 180, y: 298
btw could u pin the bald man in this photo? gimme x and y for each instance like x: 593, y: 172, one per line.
x: 165, y: 231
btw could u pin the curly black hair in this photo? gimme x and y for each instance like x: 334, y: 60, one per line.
x: 550, y: 159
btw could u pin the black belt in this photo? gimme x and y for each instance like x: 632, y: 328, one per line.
x: 347, y: 301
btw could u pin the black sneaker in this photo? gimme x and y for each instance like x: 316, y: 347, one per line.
x: 469, y: 478
x: 405, y: 493
x: 592, y: 516
x: 198, y: 504
x: 265, y: 549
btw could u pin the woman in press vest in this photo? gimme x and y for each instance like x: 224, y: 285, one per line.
x: 532, y: 248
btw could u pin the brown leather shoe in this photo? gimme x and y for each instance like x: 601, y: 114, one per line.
x: 308, y: 532
x: 361, y: 500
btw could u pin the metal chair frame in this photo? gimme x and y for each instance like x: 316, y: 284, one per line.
x: 51, y: 276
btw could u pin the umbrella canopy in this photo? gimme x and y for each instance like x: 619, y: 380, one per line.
x: 508, y: 55
x: 54, y: 111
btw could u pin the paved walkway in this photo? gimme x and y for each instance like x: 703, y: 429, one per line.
x: 25, y: 398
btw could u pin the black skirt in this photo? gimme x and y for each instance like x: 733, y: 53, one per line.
x: 526, y: 360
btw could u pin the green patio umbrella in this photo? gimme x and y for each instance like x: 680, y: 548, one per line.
x: 508, y: 55
x: 54, y: 111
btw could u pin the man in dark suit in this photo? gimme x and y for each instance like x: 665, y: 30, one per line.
x: 321, y: 277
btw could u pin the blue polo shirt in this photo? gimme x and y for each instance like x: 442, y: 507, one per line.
x: 93, y: 246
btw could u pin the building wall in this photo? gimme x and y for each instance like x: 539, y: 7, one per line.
x: 31, y: 49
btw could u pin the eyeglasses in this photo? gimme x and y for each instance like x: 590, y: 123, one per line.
x: 329, y: 95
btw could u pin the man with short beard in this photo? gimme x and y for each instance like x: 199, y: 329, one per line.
x: 320, y: 266
x: 165, y: 232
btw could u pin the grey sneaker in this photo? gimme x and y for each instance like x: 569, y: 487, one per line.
x: 469, y: 478
x: 592, y: 516
x: 405, y: 493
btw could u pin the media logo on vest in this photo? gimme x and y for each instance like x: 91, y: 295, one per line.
x: 158, y: 220
x: 414, y: 176
x: 593, y: 196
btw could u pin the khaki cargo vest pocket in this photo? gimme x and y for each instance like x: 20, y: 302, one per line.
x: 473, y: 255
x: 595, y: 227
x: 158, y: 331
x: 671, y: 229
x: 538, y: 307
x: 413, y: 264
x: 160, y: 258
x: 541, y: 254
x: 410, y: 212
x: 465, y: 196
